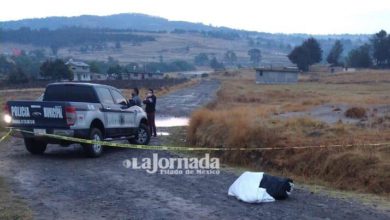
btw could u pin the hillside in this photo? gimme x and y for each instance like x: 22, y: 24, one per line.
x: 117, y: 21
x: 145, y: 38
x: 165, y: 46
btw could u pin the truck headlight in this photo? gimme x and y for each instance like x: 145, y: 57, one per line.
x: 7, y: 118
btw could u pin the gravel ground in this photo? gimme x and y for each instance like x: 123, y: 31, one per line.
x: 63, y: 184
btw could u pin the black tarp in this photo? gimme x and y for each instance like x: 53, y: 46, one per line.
x: 276, y: 187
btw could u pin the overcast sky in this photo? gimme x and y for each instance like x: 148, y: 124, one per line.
x: 276, y: 16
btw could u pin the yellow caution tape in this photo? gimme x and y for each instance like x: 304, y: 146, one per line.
x: 5, y: 136
x: 149, y: 147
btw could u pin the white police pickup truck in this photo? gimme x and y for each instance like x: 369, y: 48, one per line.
x: 81, y: 110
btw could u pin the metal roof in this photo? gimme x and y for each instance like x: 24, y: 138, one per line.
x: 76, y: 63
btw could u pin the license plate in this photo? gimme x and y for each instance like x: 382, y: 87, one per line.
x: 39, y: 132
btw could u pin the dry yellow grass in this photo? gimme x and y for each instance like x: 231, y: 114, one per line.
x: 240, y: 90
x: 360, y: 76
x: 170, y: 46
x: 243, y: 115
x: 363, y: 169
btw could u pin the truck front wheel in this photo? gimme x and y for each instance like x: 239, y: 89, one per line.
x: 94, y: 150
x: 35, y: 146
x: 142, y: 136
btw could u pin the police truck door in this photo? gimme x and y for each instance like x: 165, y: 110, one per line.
x: 126, y: 115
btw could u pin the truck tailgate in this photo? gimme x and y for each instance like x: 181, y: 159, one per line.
x: 38, y: 114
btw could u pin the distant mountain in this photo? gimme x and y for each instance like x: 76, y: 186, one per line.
x: 118, y: 21
x: 143, y: 22
x: 11, y: 32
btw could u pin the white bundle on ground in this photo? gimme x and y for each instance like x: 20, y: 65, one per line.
x: 258, y: 187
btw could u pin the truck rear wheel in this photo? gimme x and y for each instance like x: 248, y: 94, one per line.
x: 35, y: 146
x: 94, y: 150
x: 142, y: 137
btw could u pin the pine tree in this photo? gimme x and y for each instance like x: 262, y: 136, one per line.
x: 335, y: 53
x: 307, y: 54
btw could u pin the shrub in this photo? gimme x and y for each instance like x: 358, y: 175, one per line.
x: 17, y: 76
x: 356, y: 112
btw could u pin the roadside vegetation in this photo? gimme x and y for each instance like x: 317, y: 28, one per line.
x: 34, y: 66
x: 249, y: 115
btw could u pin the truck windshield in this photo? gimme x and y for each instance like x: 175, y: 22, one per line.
x: 70, y: 93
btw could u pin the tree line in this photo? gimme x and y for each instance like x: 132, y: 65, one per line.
x: 151, y: 67
x: 229, y: 58
x: 221, y: 34
x: 34, y: 65
x: 28, y: 67
x: 375, y: 53
x: 21, y: 68
x: 69, y: 36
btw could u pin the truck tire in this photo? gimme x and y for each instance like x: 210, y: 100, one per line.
x: 142, y: 137
x: 94, y: 150
x: 35, y: 146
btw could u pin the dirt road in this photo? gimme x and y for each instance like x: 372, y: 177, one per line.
x: 63, y: 184
x: 182, y: 102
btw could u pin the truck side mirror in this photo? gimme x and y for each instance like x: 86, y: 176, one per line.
x: 123, y: 103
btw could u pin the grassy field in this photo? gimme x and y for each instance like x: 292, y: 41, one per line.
x: 169, y: 45
x: 248, y: 115
x: 239, y: 90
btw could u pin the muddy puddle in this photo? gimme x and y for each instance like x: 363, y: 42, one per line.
x: 163, y: 133
x: 165, y: 122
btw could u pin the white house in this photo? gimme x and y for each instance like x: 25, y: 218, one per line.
x: 81, y: 71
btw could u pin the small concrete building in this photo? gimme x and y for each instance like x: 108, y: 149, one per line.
x: 285, y: 75
x: 80, y: 70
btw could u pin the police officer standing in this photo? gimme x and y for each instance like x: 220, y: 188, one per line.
x: 150, y: 102
x: 136, y: 100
